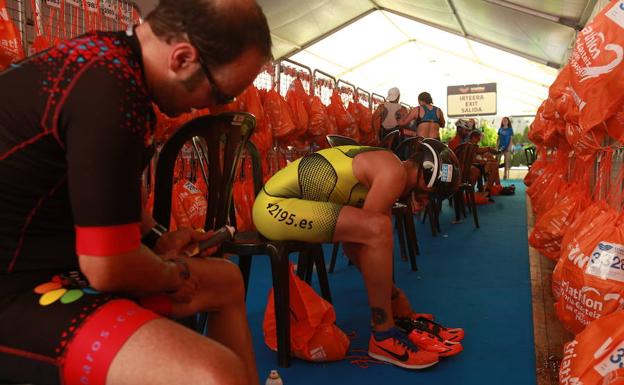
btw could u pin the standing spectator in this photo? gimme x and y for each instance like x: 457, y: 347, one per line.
x: 504, y: 144
x: 427, y: 118
x: 389, y: 113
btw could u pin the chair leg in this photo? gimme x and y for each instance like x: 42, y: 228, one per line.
x: 321, y: 272
x: 279, y: 269
x: 474, y: 208
x: 400, y: 227
x: 412, y: 242
x: 332, y: 263
x: 244, y: 264
x: 432, y: 219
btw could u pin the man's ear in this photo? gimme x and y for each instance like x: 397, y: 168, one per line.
x: 183, y: 58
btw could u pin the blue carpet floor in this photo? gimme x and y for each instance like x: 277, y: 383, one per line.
x: 477, y: 279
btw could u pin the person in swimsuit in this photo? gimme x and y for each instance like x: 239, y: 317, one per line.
x: 389, y: 113
x: 427, y: 118
x: 345, y: 194
x: 85, y: 277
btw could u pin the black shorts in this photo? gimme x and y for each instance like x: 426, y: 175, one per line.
x: 55, y: 329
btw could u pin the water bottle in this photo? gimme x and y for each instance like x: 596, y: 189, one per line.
x: 274, y: 379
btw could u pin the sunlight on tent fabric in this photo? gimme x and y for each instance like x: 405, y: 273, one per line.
x: 384, y: 50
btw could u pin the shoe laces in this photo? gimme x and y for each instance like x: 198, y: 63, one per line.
x: 403, y: 340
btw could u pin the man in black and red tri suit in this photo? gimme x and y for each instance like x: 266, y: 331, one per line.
x: 76, y: 281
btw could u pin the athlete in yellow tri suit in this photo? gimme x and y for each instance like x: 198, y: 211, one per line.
x: 345, y: 194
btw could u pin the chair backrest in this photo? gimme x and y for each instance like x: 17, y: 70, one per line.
x: 225, y: 136
x: 530, y: 154
x: 340, y: 140
x: 391, y: 140
x: 466, y: 153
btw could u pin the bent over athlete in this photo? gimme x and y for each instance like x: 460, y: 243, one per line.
x: 340, y: 194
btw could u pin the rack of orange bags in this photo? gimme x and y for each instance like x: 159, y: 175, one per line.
x: 267, y: 78
x: 17, y: 14
x: 376, y: 101
x: 289, y: 71
x: 347, y: 92
x: 57, y: 20
x: 324, y: 85
x: 364, y: 97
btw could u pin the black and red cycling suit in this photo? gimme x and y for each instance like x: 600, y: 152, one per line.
x: 76, y: 126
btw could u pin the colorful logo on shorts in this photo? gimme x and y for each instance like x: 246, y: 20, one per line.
x: 68, y: 288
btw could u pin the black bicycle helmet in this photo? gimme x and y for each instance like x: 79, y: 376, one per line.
x: 438, y: 165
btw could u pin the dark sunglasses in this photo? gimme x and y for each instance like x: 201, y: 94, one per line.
x: 220, y: 98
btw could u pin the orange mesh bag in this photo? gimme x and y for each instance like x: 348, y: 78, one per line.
x: 596, y: 69
x: 279, y: 114
x: 596, y: 355
x: 314, y: 335
x: 11, y: 49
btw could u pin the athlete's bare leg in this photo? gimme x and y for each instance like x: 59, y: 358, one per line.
x: 163, y: 352
x: 367, y: 238
x: 222, y: 294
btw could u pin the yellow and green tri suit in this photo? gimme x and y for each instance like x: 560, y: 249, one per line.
x: 302, y: 201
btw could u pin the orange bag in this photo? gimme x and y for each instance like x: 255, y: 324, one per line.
x: 188, y: 206
x: 344, y: 121
x: 591, y: 275
x: 11, y: 49
x: 279, y: 114
x: 318, y: 117
x: 596, y: 69
x: 548, y: 231
x: 314, y: 335
x: 262, y: 136
x: 244, y: 197
x: 615, y: 125
x: 299, y: 103
x: 596, y: 356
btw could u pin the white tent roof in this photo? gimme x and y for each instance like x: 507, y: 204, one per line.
x: 382, y: 50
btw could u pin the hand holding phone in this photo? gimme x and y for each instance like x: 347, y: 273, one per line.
x: 221, y: 235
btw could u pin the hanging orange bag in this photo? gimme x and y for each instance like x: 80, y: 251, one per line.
x: 314, y: 335
x: 10, y: 42
x: 596, y: 356
x: 596, y: 68
x: 279, y: 114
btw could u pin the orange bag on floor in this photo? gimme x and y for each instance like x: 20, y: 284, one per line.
x: 596, y: 68
x: 596, y: 356
x: 314, y: 335
x: 11, y: 49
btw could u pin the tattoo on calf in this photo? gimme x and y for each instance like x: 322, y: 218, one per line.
x: 379, y: 316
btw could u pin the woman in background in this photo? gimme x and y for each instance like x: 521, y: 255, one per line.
x: 504, y: 144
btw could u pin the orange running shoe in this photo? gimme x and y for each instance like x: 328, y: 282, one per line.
x: 394, y: 347
x: 431, y: 343
x: 427, y: 325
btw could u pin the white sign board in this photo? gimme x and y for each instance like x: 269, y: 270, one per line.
x: 471, y: 100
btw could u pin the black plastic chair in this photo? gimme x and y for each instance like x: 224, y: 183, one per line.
x: 466, y: 154
x: 226, y: 135
x: 391, y: 140
x: 249, y: 244
x: 340, y: 140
